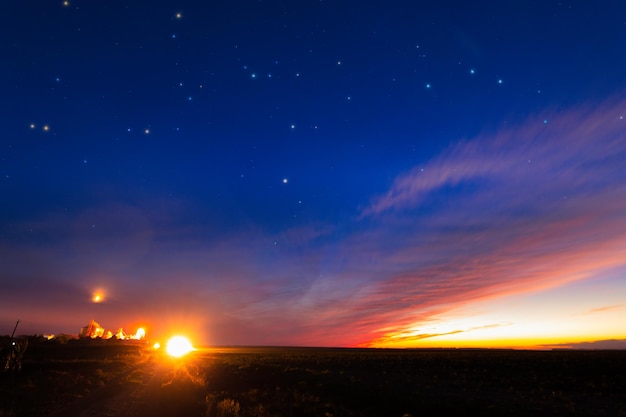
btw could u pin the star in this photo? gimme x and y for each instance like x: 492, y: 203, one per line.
x: 179, y: 15
x: 285, y: 180
x: 147, y: 131
x: 46, y: 128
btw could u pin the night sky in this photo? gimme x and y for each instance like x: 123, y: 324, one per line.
x: 338, y: 173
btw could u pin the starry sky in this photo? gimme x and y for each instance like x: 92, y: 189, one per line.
x: 334, y: 173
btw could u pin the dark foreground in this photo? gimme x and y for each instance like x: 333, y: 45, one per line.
x: 106, y: 379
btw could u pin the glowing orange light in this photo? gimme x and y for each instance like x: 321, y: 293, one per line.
x: 97, y: 298
x: 140, y: 334
x: 178, y: 346
x: 157, y: 345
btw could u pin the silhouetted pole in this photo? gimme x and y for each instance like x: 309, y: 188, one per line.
x: 14, y: 329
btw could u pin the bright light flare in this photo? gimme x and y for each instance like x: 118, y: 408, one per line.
x: 178, y: 346
x: 97, y: 297
x: 140, y: 334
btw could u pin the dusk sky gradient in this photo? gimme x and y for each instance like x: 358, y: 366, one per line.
x: 320, y: 173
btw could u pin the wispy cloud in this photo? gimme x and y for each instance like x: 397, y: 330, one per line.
x: 604, y: 309
x: 566, y: 152
x: 410, y: 337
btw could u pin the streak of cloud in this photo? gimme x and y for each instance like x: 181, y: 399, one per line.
x: 604, y: 309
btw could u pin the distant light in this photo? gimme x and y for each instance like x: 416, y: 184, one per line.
x: 285, y: 180
x: 139, y: 334
x: 157, y: 345
x: 147, y: 131
x: 46, y: 128
x: 97, y: 298
x: 179, y: 15
x: 178, y: 346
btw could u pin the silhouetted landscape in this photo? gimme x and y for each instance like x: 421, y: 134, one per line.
x: 129, y: 378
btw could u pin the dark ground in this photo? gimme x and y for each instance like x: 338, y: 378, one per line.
x: 102, y: 378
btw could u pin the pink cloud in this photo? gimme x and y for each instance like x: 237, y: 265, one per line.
x: 574, y: 148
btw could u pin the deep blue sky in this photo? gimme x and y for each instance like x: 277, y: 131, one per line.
x: 183, y: 146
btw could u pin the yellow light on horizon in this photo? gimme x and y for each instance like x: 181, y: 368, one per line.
x: 139, y: 334
x: 178, y: 346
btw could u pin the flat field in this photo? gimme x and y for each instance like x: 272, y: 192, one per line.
x: 119, y: 379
